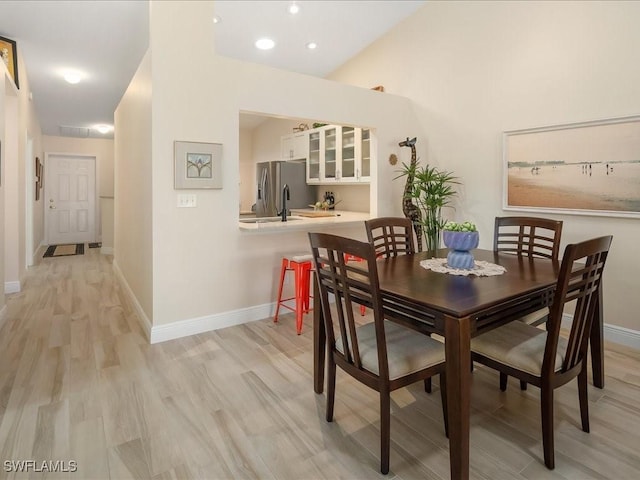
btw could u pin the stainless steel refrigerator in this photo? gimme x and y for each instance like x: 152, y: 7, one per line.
x: 271, y: 178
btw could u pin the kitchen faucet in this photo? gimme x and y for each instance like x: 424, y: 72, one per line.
x: 285, y: 197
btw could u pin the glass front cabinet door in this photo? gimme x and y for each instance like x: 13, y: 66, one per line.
x: 339, y: 154
x: 313, y: 159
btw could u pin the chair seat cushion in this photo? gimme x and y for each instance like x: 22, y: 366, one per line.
x: 518, y: 345
x: 535, y: 317
x: 408, y: 351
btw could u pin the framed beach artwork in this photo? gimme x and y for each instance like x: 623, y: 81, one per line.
x: 590, y: 168
x: 197, y: 165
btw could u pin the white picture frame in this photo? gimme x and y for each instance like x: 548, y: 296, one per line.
x: 197, y: 165
x: 587, y: 168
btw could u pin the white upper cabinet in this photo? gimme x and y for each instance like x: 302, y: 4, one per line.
x: 338, y: 154
x: 295, y: 146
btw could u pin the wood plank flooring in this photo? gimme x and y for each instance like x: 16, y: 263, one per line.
x: 79, y: 382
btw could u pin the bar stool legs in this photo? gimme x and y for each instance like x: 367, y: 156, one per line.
x: 301, y: 267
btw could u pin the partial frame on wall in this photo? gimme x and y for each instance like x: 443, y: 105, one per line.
x: 9, y: 55
x: 588, y: 168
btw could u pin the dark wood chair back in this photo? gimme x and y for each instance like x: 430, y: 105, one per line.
x: 352, y: 284
x: 390, y: 236
x: 579, y: 280
x: 528, y: 236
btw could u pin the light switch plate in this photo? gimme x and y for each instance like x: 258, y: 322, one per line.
x: 186, y: 200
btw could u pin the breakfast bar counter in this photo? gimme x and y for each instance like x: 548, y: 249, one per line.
x: 302, y: 220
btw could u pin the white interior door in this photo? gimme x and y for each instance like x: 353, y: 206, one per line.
x: 70, y: 199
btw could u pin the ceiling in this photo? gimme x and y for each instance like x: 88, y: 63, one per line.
x: 105, y: 40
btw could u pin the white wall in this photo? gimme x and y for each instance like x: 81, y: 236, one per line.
x: 203, y: 265
x: 476, y: 69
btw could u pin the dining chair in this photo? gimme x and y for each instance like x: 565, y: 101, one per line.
x: 529, y: 237
x: 390, y: 237
x: 544, y: 358
x: 384, y: 356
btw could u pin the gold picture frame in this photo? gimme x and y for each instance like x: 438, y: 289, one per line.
x: 9, y: 54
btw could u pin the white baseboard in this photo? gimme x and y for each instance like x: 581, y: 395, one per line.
x: 615, y: 334
x: 106, y: 250
x: 11, y: 287
x: 193, y: 326
x: 144, y: 320
x: 622, y: 335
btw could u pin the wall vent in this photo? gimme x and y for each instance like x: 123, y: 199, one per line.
x: 81, y: 132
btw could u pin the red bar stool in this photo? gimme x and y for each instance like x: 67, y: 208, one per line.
x: 353, y: 258
x: 301, y: 266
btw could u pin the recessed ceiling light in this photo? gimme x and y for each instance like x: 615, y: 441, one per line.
x: 293, y: 8
x: 72, y: 77
x: 265, y: 44
x: 103, y: 128
x: 312, y: 45
x: 216, y: 19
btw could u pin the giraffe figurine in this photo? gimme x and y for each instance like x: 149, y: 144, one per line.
x: 410, y: 210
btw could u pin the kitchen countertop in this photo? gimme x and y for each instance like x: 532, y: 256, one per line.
x: 296, y: 222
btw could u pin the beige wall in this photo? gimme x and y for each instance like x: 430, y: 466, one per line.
x: 203, y: 265
x: 133, y: 239
x: 476, y: 69
x: 20, y: 126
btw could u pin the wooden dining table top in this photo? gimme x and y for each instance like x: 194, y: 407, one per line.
x: 458, y: 295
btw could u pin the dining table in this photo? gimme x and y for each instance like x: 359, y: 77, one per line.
x: 459, y: 307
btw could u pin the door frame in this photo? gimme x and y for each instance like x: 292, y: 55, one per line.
x: 96, y: 203
x: 29, y: 210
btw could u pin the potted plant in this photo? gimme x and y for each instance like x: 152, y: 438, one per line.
x: 431, y: 190
x: 460, y: 238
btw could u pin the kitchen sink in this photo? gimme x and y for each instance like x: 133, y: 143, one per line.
x: 268, y: 219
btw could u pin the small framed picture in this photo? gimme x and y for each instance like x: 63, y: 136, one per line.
x: 38, y: 178
x: 9, y: 56
x: 197, y: 165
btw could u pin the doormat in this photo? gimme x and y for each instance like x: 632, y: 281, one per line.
x: 64, y: 250
x: 95, y: 245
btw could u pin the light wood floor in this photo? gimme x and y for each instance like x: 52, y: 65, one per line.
x: 79, y: 382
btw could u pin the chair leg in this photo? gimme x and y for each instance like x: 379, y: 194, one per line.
x: 546, y: 404
x: 584, y: 399
x: 385, y: 430
x: 331, y: 386
x: 443, y: 397
x: 283, y: 271
x: 523, y: 385
x: 503, y: 381
x: 427, y: 385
